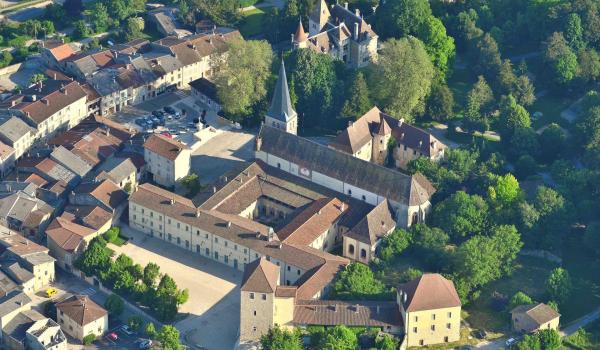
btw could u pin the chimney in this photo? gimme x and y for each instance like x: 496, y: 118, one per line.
x: 54, y: 75
x: 279, y: 244
x: 228, y: 224
x: 400, y: 121
x: 335, y: 307
x: 350, y: 123
x: 377, y: 309
x: 214, y: 189
x: 343, y: 206
x: 197, y: 213
x: 225, y: 178
x: 356, y: 308
x: 346, y: 5
x: 404, y: 297
x: 292, y: 35
x: 356, y: 31
x: 319, y: 212
x: 46, y: 102
x: 270, y: 236
x: 357, y: 12
x: 172, y: 201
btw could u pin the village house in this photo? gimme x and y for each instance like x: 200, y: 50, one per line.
x: 534, y: 317
x: 430, y: 309
x: 340, y: 33
x: 17, y: 134
x: 49, y: 107
x: 79, y: 316
x: 21, y: 209
x: 167, y: 160
x: 375, y: 134
x: 7, y: 159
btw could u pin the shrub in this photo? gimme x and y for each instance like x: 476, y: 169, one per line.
x: 135, y: 322
x: 88, y: 339
x: 114, y: 305
x: 112, y: 234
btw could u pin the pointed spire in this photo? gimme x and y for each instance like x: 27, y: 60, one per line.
x: 300, y: 35
x: 281, y: 105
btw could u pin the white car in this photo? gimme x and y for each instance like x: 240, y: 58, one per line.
x: 145, y: 344
x: 127, y: 330
x: 510, y: 341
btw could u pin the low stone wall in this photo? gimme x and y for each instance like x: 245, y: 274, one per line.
x: 10, y: 69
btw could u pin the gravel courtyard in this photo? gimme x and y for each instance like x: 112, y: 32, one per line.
x: 213, y: 307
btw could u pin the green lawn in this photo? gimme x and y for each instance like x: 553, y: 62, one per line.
x: 551, y: 107
x: 460, y: 83
x: 529, y: 277
x: 252, y: 23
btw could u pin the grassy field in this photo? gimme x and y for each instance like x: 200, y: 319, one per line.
x: 460, y: 83
x: 252, y: 24
x: 551, y: 107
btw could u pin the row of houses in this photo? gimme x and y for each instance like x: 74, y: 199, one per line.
x: 101, y: 82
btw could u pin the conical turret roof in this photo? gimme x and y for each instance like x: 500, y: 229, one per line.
x: 281, y: 105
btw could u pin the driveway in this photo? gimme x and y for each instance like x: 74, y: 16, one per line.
x: 223, y: 152
x: 213, y: 306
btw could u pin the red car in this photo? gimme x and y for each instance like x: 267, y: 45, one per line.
x: 113, y: 336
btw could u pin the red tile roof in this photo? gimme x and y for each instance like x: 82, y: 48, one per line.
x: 428, y: 292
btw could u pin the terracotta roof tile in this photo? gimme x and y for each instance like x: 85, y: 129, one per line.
x: 429, y: 292
x: 81, y: 309
x: 260, y: 276
x: 164, y: 146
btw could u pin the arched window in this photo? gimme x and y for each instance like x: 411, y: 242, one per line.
x: 363, y: 253
x: 351, y: 249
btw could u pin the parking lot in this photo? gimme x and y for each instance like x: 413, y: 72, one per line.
x: 210, y: 318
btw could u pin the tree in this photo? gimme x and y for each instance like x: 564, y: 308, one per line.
x: 151, y: 274
x: 191, y: 183
x: 36, y: 78
x: 429, y: 238
x: 135, y: 322
x: 95, y: 258
x: 506, y: 78
x: 439, y: 46
x: 560, y: 57
x: 99, y: 17
x: 529, y: 342
x: 525, y: 166
x: 506, y: 190
x: 118, y: 10
x: 402, y: 77
x: 550, y: 339
x: 357, y: 282
x: 524, y: 91
x: 169, y: 338
x: 589, y: 65
x: 524, y: 141
x: 394, y: 244
x: 150, y: 330
x: 55, y: 13
x: 242, y: 78
x: 488, y: 57
x: 339, y: 338
x: 559, y: 284
x: 358, y: 102
x: 461, y: 215
x: 440, y: 102
x: 574, y: 32
x: 552, y: 142
x: 386, y: 342
x: 81, y: 30
x: 479, y: 99
x: 114, y: 305
x: 281, y: 339
x: 512, y: 116
x: 548, y: 201
x: 518, y: 299
x: 89, y: 339
x: 133, y: 28
x: 313, y: 84
x: 399, y: 18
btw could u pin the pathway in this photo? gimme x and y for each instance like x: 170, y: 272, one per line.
x: 280, y: 4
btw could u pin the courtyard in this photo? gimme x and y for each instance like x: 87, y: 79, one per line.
x: 213, y: 305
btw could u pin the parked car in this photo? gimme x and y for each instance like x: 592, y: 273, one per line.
x: 177, y: 116
x: 169, y: 109
x: 145, y: 344
x: 196, y: 121
x: 127, y: 330
x: 169, y: 117
x: 157, y: 113
x: 510, y: 341
x: 50, y: 292
x: 112, y: 336
x: 140, y: 121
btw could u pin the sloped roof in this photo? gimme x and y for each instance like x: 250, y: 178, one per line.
x: 300, y: 35
x: 106, y: 191
x: 81, y: 309
x: 388, y: 183
x: 375, y: 225
x: 538, y: 313
x: 260, y: 276
x: 281, y: 104
x: 429, y: 292
x: 66, y: 234
x: 313, y: 221
x: 349, y: 313
x: 164, y: 146
x: 13, y: 129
